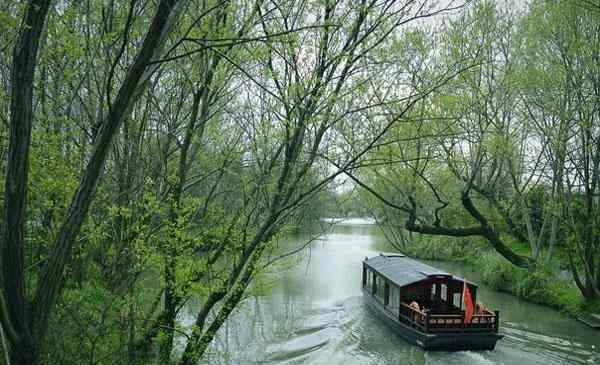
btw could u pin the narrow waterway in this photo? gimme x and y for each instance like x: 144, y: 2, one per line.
x: 314, y: 313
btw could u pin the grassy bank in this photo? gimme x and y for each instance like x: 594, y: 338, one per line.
x: 542, y: 285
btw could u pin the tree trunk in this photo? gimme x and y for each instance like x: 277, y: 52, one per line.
x: 15, y: 316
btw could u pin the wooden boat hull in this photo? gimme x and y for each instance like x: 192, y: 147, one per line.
x: 448, y: 341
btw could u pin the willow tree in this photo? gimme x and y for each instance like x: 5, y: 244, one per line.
x: 313, y: 81
x: 507, y: 150
x: 441, y: 171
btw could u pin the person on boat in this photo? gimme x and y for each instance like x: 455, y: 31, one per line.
x: 480, y: 308
x: 415, y: 306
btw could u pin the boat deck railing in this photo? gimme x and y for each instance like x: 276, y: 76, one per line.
x: 426, y: 321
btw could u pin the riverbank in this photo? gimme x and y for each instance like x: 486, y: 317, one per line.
x: 545, y: 285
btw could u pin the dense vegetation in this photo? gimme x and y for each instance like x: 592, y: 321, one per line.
x: 152, y: 152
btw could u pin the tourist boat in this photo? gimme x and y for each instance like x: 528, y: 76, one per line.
x: 428, y: 307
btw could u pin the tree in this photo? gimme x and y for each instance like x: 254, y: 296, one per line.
x: 566, y: 109
x: 460, y: 141
x: 26, y: 325
x: 512, y: 140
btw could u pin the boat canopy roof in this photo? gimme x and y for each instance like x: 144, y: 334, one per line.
x: 403, y: 270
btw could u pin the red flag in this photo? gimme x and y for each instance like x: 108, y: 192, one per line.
x: 468, y: 300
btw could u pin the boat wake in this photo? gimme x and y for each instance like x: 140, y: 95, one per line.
x: 546, y: 349
x: 348, y: 333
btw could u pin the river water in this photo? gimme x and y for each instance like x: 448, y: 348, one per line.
x: 313, y: 313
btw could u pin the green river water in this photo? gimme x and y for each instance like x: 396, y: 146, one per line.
x: 314, y: 314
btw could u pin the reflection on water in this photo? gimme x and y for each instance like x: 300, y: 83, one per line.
x: 315, y: 315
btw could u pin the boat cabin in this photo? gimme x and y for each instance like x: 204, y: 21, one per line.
x: 423, y: 297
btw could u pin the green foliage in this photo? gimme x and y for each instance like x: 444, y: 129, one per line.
x: 496, y: 272
x: 92, y: 322
x: 539, y: 285
x: 443, y: 248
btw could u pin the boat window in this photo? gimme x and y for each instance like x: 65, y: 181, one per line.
x: 379, y: 287
x: 456, y: 300
x: 369, y: 279
x: 364, y: 276
x: 394, y: 304
x: 386, y: 293
x: 444, y: 292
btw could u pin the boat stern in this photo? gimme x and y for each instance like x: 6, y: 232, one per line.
x: 459, y: 341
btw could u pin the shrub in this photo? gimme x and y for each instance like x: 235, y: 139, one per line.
x: 539, y: 285
x: 496, y: 271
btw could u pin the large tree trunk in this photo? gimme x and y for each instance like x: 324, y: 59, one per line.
x: 14, y: 309
x: 483, y: 229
